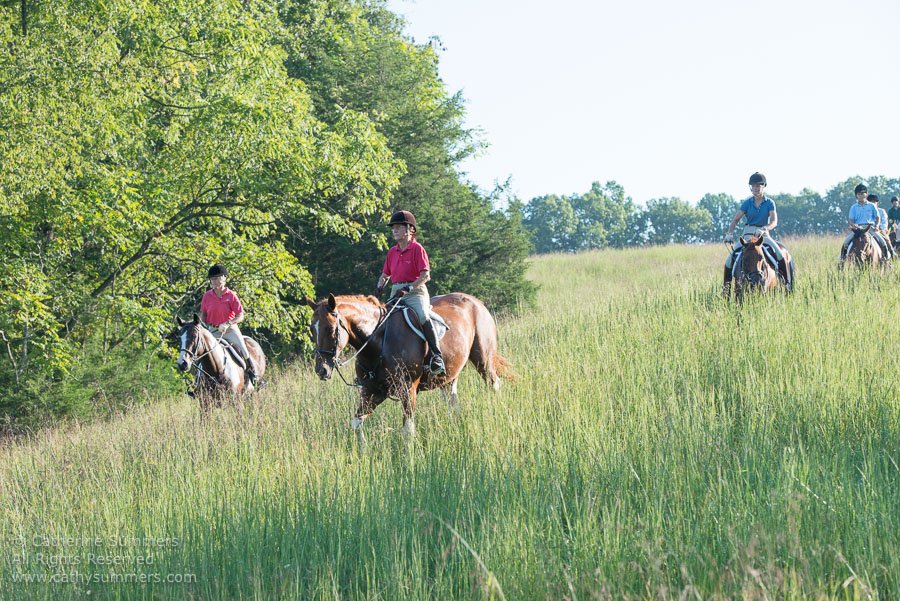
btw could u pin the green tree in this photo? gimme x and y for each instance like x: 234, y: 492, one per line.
x: 721, y: 209
x: 675, y: 220
x: 142, y: 141
x: 551, y: 223
x: 354, y: 55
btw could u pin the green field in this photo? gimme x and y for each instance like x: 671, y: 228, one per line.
x: 660, y: 444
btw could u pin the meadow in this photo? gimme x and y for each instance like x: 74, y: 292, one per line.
x: 660, y: 443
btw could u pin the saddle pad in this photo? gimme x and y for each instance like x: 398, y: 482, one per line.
x: 767, y: 252
x: 233, y: 352
x: 440, y: 326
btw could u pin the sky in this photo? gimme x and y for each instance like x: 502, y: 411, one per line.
x: 671, y: 98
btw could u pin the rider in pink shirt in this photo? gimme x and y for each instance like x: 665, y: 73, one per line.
x: 408, y: 268
x: 221, y: 311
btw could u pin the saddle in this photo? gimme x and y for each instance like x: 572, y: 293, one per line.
x: 440, y: 328
x: 233, y: 352
x: 767, y: 253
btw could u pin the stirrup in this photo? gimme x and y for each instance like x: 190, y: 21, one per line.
x: 436, y: 366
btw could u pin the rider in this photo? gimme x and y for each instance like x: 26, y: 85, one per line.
x: 761, y: 219
x: 863, y: 213
x: 882, y: 222
x: 893, y: 218
x: 408, y: 269
x: 221, y: 311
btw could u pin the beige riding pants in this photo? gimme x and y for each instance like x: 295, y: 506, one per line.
x: 232, y: 335
x: 768, y: 241
x: 416, y: 299
x: 885, y: 247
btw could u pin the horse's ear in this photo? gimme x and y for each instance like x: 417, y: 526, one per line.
x: 743, y: 242
x: 758, y: 241
x: 311, y: 303
x: 196, y: 319
x: 332, y: 304
x: 868, y: 227
x: 178, y: 321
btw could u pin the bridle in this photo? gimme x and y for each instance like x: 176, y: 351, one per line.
x: 760, y: 273
x: 323, y: 353
x: 196, y: 359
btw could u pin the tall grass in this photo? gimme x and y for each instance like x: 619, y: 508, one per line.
x: 662, y: 443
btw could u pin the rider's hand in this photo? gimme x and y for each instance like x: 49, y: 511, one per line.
x: 376, y: 292
x: 729, y: 238
x: 406, y: 288
x: 223, y: 327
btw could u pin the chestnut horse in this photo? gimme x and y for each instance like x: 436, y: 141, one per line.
x: 390, y: 356
x: 753, y: 272
x: 863, y: 249
x: 217, y: 372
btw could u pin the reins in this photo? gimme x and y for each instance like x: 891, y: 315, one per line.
x: 339, y: 364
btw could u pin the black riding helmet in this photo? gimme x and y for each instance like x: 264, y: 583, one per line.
x: 861, y: 188
x: 404, y: 218
x: 217, y: 270
x: 872, y: 198
x: 758, y: 178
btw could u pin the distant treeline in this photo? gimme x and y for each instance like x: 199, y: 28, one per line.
x: 605, y: 217
x: 142, y: 141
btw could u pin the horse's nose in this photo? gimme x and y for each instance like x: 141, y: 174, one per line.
x: 323, y: 373
x: 183, y: 365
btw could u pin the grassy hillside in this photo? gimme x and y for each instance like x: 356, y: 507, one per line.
x: 661, y: 443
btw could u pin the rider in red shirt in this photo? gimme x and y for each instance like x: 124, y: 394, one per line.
x: 408, y: 268
x: 221, y: 311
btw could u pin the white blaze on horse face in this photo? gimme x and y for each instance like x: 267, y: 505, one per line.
x: 182, y: 355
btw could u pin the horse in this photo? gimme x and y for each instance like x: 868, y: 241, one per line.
x: 390, y: 356
x: 863, y: 250
x: 754, y: 273
x: 217, y: 372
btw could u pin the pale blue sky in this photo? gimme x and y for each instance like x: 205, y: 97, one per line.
x: 672, y: 98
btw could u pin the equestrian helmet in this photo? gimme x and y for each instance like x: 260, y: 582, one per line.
x: 217, y: 270
x: 861, y: 188
x: 404, y: 218
x: 758, y: 178
x: 872, y: 198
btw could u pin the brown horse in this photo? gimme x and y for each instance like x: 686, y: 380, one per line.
x: 218, y: 374
x: 390, y: 356
x: 864, y: 250
x: 753, y: 272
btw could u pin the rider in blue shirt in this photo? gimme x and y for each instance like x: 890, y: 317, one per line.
x: 861, y: 214
x: 761, y: 219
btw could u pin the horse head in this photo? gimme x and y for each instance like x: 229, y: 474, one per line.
x: 861, y: 245
x: 191, y: 336
x: 329, y: 333
x: 753, y: 263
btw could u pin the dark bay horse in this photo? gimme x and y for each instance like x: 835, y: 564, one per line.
x: 217, y: 372
x: 753, y: 273
x: 389, y: 361
x: 864, y: 250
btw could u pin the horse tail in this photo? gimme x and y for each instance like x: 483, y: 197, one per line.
x: 503, y: 368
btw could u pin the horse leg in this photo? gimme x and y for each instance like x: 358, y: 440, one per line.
x: 452, y: 399
x: 367, y: 403
x: 409, y: 407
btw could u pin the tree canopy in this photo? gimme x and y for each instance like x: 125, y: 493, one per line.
x: 142, y: 141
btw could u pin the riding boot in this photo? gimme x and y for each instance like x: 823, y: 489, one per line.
x: 785, y: 272
x: 251, y: 369
x: 437, y: 361
x: 726, y: 282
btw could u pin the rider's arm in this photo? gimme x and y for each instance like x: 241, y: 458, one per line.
x: 734, y: 222
x: 383, y: 280
x: 773, y: 220
x: 424, y: 276
x: 236, y: 319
